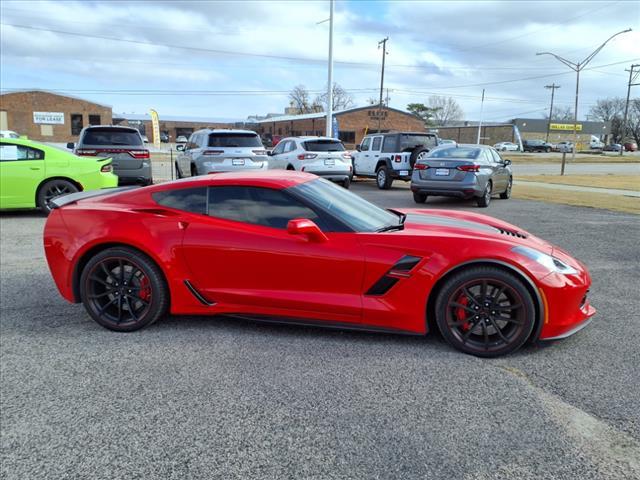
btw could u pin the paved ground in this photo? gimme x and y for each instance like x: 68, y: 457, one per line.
x: 213, y: 398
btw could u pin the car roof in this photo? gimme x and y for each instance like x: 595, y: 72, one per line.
x: 118, y: 127
x: 310, y: 137
x: 277, y: 179
x: 224, y: 130
x: 401, y: 133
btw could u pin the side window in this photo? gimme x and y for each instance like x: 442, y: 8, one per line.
x: 365, y: 144
x: 192, y: 200
x: 292, y: 146
x: 261, y: 206
x: 496, y: 156
x: 376, y: 144
x: 279, y: 148
x: 389, y: 144
x: 10, y: 152
x: 486, y: 157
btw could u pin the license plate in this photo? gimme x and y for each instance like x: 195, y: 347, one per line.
x: 330, y: 161
x: 404, y: 172
x: 442, y: 171
x: 238, y: 161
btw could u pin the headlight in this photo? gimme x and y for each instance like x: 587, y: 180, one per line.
x: 551, y: 263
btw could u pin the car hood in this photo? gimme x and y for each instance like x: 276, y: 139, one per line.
x: 458, y: 223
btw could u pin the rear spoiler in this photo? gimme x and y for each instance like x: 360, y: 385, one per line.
x: 63, y: 200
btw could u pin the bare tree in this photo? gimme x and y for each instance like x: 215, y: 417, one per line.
x: 560, y: 114
x: 633, y: 120
x: 341, y: 99
x: 445, y: 109
x: 300, y: 100
x: 610, y: 110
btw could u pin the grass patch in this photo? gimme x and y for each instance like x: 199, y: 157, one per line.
x: 524, y: 158
x: 624, y: 182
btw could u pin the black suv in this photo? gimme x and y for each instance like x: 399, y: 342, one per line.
x: 536, y: 146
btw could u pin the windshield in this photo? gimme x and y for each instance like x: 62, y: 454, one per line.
x: 455, y: 152
x: 412, y: 141
x: 111, y: 136
x: 323, y: 146
x: 347, y: 207
x: 234, y: 140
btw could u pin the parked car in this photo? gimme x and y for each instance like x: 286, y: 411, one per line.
x: 8, y: 134
x: 536, y: 146
x: 630, y: 146
x: 564, y: 147
x: 614, y: 147
x: 32, y: 174
x: 131, y: 160
x: 322, y: 156
x: 182, y: 139
x: 145, y: 139
x: 444, y: 141
x: 465, y: 171
x: 292, y: 247
x: 389, y: 156
x: 595, y: 143
x: 164, y: 137
x: 507, y: 147
x: 215, y: 151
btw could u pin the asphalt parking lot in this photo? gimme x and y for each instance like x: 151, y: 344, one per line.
x: 219, y: 398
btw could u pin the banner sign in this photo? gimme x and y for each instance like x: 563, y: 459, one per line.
x: 565, y: 126
x: 335, y: 129
x: 51, y: 118
x: 155, y: 125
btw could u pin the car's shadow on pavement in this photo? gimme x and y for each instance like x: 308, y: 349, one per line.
x: 22, y: 214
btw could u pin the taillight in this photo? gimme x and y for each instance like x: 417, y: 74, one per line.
x: 86, y: 153
x: 421, y: 166
x: 106, y: 168
x: 398, y: 158
x: 139, y: 154
x: 306, y: 156
x: 469, y: 168
x: 259, y: 152
x: 213, y: 152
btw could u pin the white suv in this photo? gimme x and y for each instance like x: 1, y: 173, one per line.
x: 322, y: 156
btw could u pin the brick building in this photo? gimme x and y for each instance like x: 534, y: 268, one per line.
x: 174, y: 127
x: 48, y: 117
x: 353, y: 123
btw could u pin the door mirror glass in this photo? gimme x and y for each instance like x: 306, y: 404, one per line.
x: 507, y: 162
x: 180, y: 147
x: 307, y: 228
x: 71, y: 145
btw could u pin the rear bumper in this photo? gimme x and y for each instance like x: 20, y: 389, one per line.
x: 334, y: 175
x: 139, y: 176
x: 461, y: 191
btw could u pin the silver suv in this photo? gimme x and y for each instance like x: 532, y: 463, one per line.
x: 130, y: 158
x: 213, y: 151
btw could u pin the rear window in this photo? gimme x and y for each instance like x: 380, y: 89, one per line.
x: 234, y: 140
x: 409, y: 142
x: 111, y: 136
x: 323, y: 146
x: 456, y: 152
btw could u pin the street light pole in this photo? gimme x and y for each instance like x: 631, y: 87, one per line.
x: 382, y: 42
x: 329, y: 121
x: 626, y: 104
x: 480, y: 122
x: 577, y: 67
x: 553, y: 87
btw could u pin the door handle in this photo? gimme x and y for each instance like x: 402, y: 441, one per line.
x: 182, y: 225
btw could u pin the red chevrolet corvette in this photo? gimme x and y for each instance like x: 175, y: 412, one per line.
x: 290, y: 247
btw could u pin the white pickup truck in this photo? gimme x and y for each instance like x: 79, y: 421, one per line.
x: 390, y: 156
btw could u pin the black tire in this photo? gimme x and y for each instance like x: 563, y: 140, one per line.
x: 194, y: 170
x: 485, y: 199
x: 507, y: 193
x: 178, y: 172
x: 383, y: 177
x: 123, y: 290
x: 52, y: 189
x: 419, y: 197
x: 547, y: 150
x: 417, y: 154
x: 346, y: 183
x: 485, y: 311
x: 290, y: 167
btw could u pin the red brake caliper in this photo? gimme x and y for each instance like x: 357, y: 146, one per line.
x: 461, y: 313
x: 145, y: 289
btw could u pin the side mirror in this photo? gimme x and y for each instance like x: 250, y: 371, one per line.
x: 507, y: 162
x: 270, y: 153
x: 71, y: 145
x: 358, y: 148
x: 180, y: 147
x: 307, y: 228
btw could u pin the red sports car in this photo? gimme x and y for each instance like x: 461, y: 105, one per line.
x: 290, y: 247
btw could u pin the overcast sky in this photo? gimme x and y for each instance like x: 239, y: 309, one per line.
x: 260, y: 50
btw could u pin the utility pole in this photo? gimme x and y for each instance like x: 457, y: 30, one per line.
x: 480, y: 123
x: 632, y: 78
x: 382, y: 42
x: 553, y: 87
x: 329, y: 121
x: 578, y: 67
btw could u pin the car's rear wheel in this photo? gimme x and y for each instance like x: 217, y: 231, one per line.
x: 346, y: 183
x: 507, y: 193
x: 383, y: 178
x: 485, y: 311
x: 123, y: 289
x: 194, y: 170
x: 419, y: 197
x: 485, y: 199
x: 178, y: 172
x: 52, y: 189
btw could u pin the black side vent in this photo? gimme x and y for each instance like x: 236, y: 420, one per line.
x: 511, y: 233
x: 399, y: 270
x: 198, y: 295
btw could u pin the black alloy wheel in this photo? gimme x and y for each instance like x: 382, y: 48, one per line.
x: 485, y: 311
x: 123, y: 290
x: 52, y: 189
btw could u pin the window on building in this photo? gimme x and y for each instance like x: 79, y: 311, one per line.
x: 76, y: 123
x: 94, y: 119
x: 347, y: 137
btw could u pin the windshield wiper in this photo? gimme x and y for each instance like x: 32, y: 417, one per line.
x: 389, y: 228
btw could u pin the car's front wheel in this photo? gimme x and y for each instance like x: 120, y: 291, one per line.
x: 419, y: 197
x: 485, y: 311
x: 346, y: 183
x: 52, y: 189
x: 123, y: 289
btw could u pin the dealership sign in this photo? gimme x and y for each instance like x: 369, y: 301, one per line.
x: 565, y: 126
x: 52, y: 118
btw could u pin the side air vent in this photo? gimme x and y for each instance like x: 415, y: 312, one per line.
x: 399, y: 270
x: 198, y: 295
x: 511, y: 233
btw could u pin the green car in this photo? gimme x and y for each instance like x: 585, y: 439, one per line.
x: 32, y: 174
